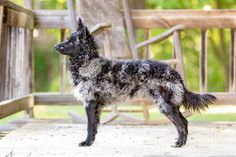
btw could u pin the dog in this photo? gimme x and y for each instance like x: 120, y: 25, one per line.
x: 99, y: 82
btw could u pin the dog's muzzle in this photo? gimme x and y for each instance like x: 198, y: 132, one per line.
x: 60, y: 49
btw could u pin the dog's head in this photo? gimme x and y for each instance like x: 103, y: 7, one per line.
x: 77, y: 42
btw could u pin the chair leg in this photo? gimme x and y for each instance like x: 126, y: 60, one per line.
x: 179, y: 56
x: 145, y: 111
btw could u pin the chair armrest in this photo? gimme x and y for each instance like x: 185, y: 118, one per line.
x: 98, y: 28
x: 160, y: 37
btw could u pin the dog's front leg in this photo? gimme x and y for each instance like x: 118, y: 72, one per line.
x: 93, y: 111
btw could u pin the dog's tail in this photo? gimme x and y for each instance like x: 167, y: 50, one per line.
x: 197, y: 102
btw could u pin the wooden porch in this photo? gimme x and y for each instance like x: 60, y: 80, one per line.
x: 48, y: 138
x: 34, y: 137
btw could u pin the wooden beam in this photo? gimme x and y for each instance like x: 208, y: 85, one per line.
x: 179, y: 56
x: 151, y: 19
x: 18, y: 19
x: 225, y: 98
x: 232, y: 71
x: 68, y: 99
x: 170, y: 61
x: 129, y: 25
x: 1, y: 24
x: 189, y: 18
x: 11, y: 5
x: 62, y: 64
x: 55, y: 99
x: 107, y: 44
x: 203, y: 62
x: 99, y: 28
x: 146, y: 48
x: 72, y: 15
x: 29, y: 5
x: 9, y: 107
x: 160, y: 37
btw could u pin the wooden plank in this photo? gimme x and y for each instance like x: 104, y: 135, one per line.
x: 203, y: 62
x: 1, y: 23
x: 52, y: 19
x: 72, y: 15
x: 150, y: 19
x: 170, y: 61
x: 107, y: 44
x: 55, y: 98
x: 7, y: 87
x: 60, y: 138
x: 100, y: 27
x: 232, y: 71
x: 11, y: 5
x: 179, y: 56
x: 146, y: 48
x: 2, y: 58
x: 62, y: 64
x: 129, y: 25
x: 160, y: 37
x: 68, y: 99
x: 9, y: 107
x: 189, y: 18
x: 18, y: 19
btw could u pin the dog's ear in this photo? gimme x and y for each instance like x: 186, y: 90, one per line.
x: 80, y: 24
x: 84, y: 33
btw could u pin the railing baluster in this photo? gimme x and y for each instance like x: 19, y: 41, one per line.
x: 203, y: 61
x: 62, y: 65
x: 177, y: 50
x: 232, y: 71
x: 146, y: 48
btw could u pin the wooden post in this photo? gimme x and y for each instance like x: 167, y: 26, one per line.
x: 62, y: 65
x: 146, y: 48
x: 30, y: 112
x: 179, y: 56
x: 1, y: 56
x: 203, y: 61
x: 71, y: 12
x: 232, y: 71
x: 173, y: 51
x: 130, y: 30
x: 107, y: 44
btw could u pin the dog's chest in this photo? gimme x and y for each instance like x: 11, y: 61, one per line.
x: 91, y: 70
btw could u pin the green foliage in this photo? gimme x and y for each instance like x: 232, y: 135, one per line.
x: 46, y: 61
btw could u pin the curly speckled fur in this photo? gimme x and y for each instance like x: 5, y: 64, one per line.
x: 98, y: 82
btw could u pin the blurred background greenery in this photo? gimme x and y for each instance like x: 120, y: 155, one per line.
x: 46, y: 60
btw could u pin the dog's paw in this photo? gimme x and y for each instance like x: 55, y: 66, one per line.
x: 177, y: 144
x: 85, y: 144
x: 180, y: 142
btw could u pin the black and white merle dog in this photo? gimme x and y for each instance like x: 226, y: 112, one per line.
x: 98, y: 82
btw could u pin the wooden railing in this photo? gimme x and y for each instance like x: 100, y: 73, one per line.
x: 194, y: 19
x: 152, y: 19
x: 16, y: 24
x: 16, y: 84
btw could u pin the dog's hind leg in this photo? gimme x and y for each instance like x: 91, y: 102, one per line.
x: 178, y: 120
x: 93, y: 111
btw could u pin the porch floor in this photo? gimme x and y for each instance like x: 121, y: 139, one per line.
x: 48, y: 138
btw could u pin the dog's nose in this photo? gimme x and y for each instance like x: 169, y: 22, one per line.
x: 59, y: 48
x: 56, y: 47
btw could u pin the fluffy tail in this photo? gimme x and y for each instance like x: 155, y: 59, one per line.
x: 197, y: 102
